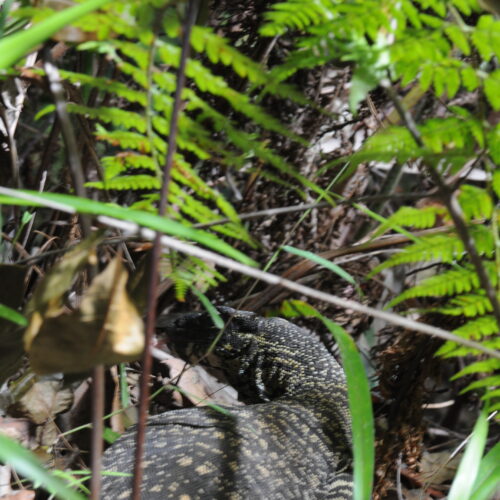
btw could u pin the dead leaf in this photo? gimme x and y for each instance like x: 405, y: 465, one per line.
x: 42, y: 401
x: 200, y: 387
x: 106, y: 329
x: 437, y: 468
x: 16, y: 428
x: 49, y: 294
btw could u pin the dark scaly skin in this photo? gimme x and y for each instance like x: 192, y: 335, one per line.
x: 293, y: 441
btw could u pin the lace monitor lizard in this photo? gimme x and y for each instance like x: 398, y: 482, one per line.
x: 292, y: 441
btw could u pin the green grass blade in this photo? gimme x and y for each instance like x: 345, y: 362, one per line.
x: 360, y: 404
x: 461, y: 488
x: 488, y: 477
x: 69, y: 203
x: 3, y: 15
x: 18, y: 45
x: 26, y: 464
x: 12, y: 315
x: 322, y: 262
x: 209, y: 307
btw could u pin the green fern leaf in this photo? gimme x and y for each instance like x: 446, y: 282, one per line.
x: 468, y: 305
x: 491, y: 382
x: 492, y: 88
x: 448, y: 283
x: 475, y: 202
x: 129, y: 183
x: 442, y: 247
x: 496, y: 182
x: 294, y: 14
x: 486, y: 37
x: 484, y: 366
x: 458, y: 37
x: 118, y: 117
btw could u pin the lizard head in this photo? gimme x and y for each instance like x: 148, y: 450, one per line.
x: 230, y: 350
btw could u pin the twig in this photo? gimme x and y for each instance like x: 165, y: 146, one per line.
x: 171, y: 243
x: 192, y: 10
x: 78, y: 179
x: 270, y: 212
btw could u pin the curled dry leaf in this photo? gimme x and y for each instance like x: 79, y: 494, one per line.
x: 105, y: 329
x: 40, y: 401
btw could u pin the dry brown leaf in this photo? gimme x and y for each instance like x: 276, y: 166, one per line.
x: 49, y: 294
x: 437, y: 468
x: 42, y: 401
x: 105, y: 329
x: 16, y: 428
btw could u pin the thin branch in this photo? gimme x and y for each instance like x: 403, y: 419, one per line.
x: 270, y: 212
x: 192, y: 10
x: 78, y: 179
x: 169, y: 242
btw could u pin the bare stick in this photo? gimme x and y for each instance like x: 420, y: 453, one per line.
x: 192, y: 10
x: 172, y: 243
x: 78, y: 179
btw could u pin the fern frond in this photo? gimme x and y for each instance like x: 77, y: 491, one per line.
x: 450, y: 282
x: 117, y: 117
x: 107, y: 85
x: 391, y: 143
x: 491, y: 382
x: 454, y: 350
x: 419, y: 218
x: 128, y: 182
x: 440, y: 247
x: 123, y: 139
x: 446, y: 248
x: 492, y: 394
x: 296, y: 14
x: 218, y: 50
x: 193, y: 272
x: 468, y: 305
x: 484, y: 329
x: 478, y: 328
x: 475, y: 202
x: 484, y: 366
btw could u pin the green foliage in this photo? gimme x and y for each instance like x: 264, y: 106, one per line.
x: 456, y: 137
x: 12, y: 315
x: 192, y: 273
x: 438, y: 46
x: 412, y: 40
x: 71, y: 204
x: 459, y: 289
x: 471, y: 465
x: 26, y: 463
x: 19, y: 44
x: 447, y: 248
x: 133, y: 129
